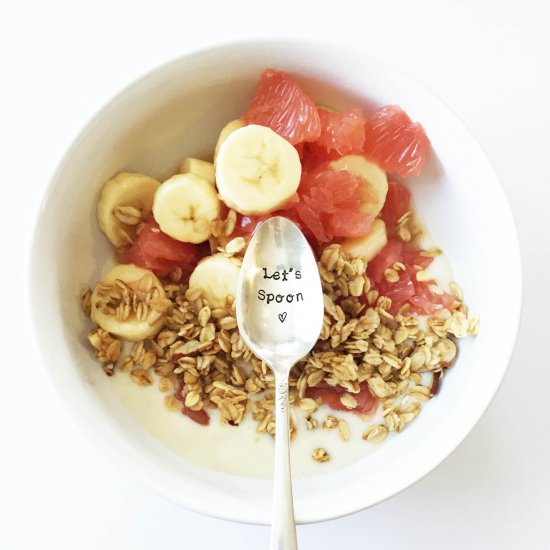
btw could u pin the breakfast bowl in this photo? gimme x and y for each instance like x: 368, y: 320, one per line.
x: 177, y: 111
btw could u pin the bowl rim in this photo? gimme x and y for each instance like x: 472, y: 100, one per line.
x: 100, y: 435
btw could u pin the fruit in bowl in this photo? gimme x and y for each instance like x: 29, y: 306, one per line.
x: 368, y: 180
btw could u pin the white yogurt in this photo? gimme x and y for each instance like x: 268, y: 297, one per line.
x: 241, y: 450
x: 238, y: 450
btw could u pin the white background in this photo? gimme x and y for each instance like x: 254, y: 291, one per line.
x: 61, y: 61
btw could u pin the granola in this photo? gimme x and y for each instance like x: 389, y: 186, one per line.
x: 202, y: 363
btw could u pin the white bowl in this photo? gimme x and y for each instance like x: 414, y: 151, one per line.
x: 177, y: 111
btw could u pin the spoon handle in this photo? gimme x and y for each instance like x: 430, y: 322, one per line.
x: 283, y: 531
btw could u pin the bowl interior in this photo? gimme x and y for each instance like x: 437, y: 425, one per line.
x: 177, y: 111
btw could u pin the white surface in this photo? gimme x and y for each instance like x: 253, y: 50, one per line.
x: 490, y: 61
x: 70, y: 251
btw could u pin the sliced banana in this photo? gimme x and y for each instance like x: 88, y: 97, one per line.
x: 201, y: 168
x: 217, y: 277
x: 129, y: 302
x: 185, y: 206
x: 229, y: 128
x: 124, y: 202
x: 257, y: 170
x: 368, y: 245
x: 376, y: 187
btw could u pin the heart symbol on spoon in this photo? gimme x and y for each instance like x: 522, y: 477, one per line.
x: 282, y: 317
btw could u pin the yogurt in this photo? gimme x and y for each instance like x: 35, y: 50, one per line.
x: 240, y: 450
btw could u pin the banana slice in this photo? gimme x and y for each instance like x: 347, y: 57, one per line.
x: 217, y: 277
x: 124, y: 202
x: 376, y: 187
x: 129, y: 302
x: 185, y: 206
x: 201, y: 168
x: 257, y: 170
x: 370, y: 244
x: 229, y: 128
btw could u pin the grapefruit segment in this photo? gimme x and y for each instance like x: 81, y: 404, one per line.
x: 341, y: 132
x: 153, y: 249
x: 395, y: 142
x: 282, y: 105
x: 330, y: 395
x: 330, y: 203
x: 200, y: 417
x: 407, y: 290
x: 350, y: 223
x: 398, y: 201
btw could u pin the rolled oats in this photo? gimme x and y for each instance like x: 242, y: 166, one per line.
x: 141, y: 377
x: 343, y: 430
x: 126, y: 364
x: 108, y: 368
x: 86, y: 301
x: 420, y: 392
x: 165, y: 384
x: 348, y: 401
x: 171, y: 403
x: 457, y: 324
x: 308, y: 405
x: 356, y: 285
x: 423, y: 275
x: 391, y: 275
x: 311, y: 422
x: 106, y: 346
x: 409, y: 413
x: 201, y: 359
x: 330, y: 422
x: 230, y: 222
x: 320, y: 455
x: 473, y: 325
x: 376, y: 433
x: 235, y: 245
x: 456, y: 291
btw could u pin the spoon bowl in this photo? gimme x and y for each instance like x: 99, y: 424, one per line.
x: 280, y: 315
x: 279, y: 297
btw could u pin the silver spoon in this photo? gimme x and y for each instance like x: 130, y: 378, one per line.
x: 280, y: 315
